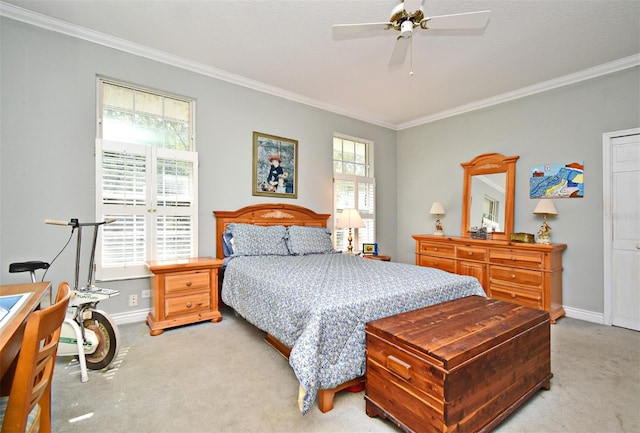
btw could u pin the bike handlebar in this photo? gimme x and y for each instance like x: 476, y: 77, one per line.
x: 75, y: 223
x: 56, y: 222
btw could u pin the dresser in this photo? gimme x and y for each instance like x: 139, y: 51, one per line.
x: 527, y: 274
x: 183, y: 292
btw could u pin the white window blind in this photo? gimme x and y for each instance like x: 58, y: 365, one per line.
x: 151, y: 193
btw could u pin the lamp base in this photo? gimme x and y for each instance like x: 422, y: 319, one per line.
x: 543, y: 233
x: 350, y: 239
x: 438, y: 233
x: 543, y: 240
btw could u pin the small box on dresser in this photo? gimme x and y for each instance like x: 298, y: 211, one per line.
x: 459, y: 366
x: 183, y: 292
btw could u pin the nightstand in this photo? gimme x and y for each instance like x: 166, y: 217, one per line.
x: 380, y: 257
x: 183, y: 292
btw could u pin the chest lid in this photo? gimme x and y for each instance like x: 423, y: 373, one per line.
x: 456, y: 331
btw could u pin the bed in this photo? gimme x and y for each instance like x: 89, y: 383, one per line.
x: 283, y: 276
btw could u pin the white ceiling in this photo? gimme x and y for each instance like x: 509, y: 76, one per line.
x: 286, y: 48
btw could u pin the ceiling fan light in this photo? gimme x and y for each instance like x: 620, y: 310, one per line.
x: 406, y: 28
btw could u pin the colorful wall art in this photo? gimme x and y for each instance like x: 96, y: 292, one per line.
x: 557, y: 180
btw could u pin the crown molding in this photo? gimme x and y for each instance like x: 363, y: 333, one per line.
x: 20, y: 14
x: 23, y: 15
x: 596, y: 71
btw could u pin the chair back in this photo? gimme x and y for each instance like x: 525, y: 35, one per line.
x: 34, y: 369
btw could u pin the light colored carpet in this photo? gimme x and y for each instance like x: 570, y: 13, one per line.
x: 223, y: 378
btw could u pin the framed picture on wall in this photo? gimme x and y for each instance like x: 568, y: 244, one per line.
x: 275, y: 166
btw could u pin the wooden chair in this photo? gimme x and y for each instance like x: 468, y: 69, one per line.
x: 28, y: 406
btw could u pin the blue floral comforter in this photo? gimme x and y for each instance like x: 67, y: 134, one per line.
x: 318, y: 306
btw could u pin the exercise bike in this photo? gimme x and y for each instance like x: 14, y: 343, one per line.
x: 86, y: 332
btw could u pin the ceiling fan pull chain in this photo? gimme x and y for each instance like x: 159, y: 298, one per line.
x: 411, y: 56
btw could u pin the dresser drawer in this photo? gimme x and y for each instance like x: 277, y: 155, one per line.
x: 471, y: 253
x: 448, y: 265
x: 436, y: 249
x: 187, y: 281
x: 528, y: 298
x: 524, y: 259
x: 189, y: 304
x: 516, y: 276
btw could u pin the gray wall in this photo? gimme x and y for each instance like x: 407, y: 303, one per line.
x: 48, y: 110
x: 47, y: 132
x: 562, y: 125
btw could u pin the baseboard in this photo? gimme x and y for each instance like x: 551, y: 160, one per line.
x: 131, y: 316
x: 588, y: 316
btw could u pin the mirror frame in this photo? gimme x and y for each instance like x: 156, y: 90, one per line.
x: 490, y: 163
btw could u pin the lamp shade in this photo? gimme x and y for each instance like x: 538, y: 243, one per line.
x: 437, y: 208
x: 349, y: 219
x: 545, y: 207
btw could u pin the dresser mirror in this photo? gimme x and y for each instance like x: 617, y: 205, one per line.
x: 488, y: 194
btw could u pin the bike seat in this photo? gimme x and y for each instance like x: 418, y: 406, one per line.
x: 27, y: 266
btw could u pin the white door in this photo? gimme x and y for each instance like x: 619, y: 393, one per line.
x: 621, y: 188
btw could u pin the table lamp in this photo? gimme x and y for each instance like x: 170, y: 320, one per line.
x: 349, y: 219
x: 437, y: 209
x: 545, y: 207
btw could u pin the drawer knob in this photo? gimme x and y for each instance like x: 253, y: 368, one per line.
x: 189, y: 283
x: 513, y: 295
x: 189, y: 304
x: 435, y: 249
x: 470, y: 253
x: 513, y: 275
x: 513, y: 258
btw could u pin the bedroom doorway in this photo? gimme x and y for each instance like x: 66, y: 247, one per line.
x: 621, y: 217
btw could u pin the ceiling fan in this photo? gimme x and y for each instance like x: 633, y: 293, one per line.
x: 405, y: 22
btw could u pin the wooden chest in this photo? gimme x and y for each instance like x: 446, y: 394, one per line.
x: 459, y: 366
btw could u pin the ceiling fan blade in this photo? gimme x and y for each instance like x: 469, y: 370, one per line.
x: 468, y: 20
x: 345, y: 31
x: 399, y: 53
x: 412, y: 5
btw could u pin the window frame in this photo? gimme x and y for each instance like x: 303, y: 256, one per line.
x: 368, y: 215
x: 149, y: 212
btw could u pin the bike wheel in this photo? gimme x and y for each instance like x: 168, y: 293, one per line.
x: 107, y: 333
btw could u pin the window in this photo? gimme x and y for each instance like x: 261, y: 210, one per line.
x: 354, y: 187
x: 146, y: 179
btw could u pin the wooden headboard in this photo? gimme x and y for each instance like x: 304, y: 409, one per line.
x: 268, y: 214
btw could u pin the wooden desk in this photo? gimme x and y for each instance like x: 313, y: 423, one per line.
x: 11, y: 333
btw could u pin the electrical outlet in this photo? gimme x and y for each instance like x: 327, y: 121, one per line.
x: 133, y: 300
x: 146, y: 294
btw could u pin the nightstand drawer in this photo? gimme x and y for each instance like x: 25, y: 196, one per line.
x: 448, y: 265
x: 189, y: 304
x: 524, y: 259
x: 435, y: 249
x: 516, y: 276
x: 471, y: 253
x: 179, y: 282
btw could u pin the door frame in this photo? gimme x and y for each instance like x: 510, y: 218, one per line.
x: 607, y: 138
